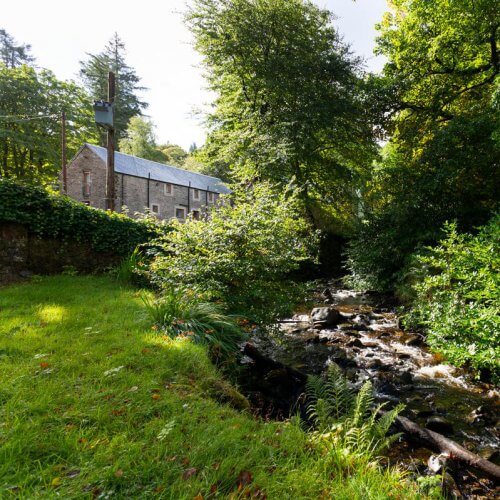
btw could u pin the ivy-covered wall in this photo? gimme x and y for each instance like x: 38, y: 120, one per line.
x: 45, y: 233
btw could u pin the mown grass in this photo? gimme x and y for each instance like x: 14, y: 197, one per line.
x: 94, y: 404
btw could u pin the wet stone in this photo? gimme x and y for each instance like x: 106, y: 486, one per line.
x: 355, y: 343
x: 439, y: 424
x: 325, y: 316
x: 413, y: 340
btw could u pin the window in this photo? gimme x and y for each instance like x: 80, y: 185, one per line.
x: 86, y: 184
x: 168, y: 189
x: 180, y: 213
x: 155, y: 208
x: 196, y: 214
x: 210, y: 197
x: 196, y: 194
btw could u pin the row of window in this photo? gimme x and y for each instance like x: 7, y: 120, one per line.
x: 180, y: 212
x: 168, y: 189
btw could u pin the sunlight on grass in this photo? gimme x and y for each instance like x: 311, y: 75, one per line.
x: 94, y: 402
x: 52, y: 313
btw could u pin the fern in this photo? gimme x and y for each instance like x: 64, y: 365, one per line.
x: 346, y: 420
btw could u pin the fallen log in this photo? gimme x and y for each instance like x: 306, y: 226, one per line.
x: 438, y: 443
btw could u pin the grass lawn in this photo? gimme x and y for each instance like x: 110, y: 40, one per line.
x: 95, y: 404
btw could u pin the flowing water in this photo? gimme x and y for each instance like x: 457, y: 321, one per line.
x: 368, y: 343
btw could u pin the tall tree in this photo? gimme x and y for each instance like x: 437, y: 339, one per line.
x: 140, y: 140
x: 289, y: 97
x: 13, y: 54
x: 94, y: 75
x: 30, y: 128
x: 441, y: 89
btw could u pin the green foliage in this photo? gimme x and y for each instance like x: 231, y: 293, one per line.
x: 174, y: 155
x: 179, y: 312
x: 347, y: 423
x: 289, y: 99
x: 443, y: 59
x: 94, y: 75
x: 457, y: 291
x: 30, y: 147
x: 54, y: 216
x: 240, y: 254
x: 440, y: 91
x: 140, y: 140
x: 134, y: 432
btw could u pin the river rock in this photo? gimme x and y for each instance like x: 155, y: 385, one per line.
x: 439, y: 424
x: 436, y: 463
x: 406, y: 378
x: 325, y: 316
x: 413, y: 340
x: 355, y: 343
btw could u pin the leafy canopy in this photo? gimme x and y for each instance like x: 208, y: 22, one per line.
x: 289, y: 101
x: 30, y: 127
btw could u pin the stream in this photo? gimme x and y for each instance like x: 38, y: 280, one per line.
x: 362, y: 335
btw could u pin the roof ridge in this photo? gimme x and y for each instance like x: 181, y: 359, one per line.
x: 155, y: 162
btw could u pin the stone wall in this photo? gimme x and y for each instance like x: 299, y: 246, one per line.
x: 131, y: 192
x: 22, y: 255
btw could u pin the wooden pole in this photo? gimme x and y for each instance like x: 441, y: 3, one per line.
x: 64, y: 166
x: 110, y: 164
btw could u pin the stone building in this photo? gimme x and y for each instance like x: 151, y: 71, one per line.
x: 140, y: 184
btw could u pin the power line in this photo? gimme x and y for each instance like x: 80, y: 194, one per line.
x: 24, y: 118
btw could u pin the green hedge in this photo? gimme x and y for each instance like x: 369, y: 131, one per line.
x: 58, y: 217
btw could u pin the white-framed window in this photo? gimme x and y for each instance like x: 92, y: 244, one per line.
x: 196, y: 194
x: 210, y: 197
x: 180, y: 213
x: 196, y: 214
x: 168, y: 189
x: 87, y: 182
x: 155, y: 208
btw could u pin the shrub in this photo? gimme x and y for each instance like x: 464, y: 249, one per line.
x: 457, y: 295
x: 58, y: 217
x: 345, y: 422
x: 241, y: 254
x: 178, y: 312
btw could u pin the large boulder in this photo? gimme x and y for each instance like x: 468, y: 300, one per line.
x: 325, y: 316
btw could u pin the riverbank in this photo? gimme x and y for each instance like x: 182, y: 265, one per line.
x: 95, y: 404
x: 361, y: 334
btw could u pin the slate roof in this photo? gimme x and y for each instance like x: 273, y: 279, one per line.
x: 138, y: 167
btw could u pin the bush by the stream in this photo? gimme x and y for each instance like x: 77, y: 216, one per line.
x: 457, y: 287
x: 242, y: 254
x: 53, y: 216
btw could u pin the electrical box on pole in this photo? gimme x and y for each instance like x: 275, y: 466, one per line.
x: 104, y: 114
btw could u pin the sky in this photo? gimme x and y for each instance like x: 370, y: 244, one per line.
x: 159, y: 47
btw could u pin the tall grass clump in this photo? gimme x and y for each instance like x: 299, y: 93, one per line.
x: 179, y: 312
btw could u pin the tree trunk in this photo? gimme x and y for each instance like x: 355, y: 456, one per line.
x: 441, y: 444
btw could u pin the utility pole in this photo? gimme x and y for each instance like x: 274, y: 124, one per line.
x: 64, y: 166
x: 110, y: 164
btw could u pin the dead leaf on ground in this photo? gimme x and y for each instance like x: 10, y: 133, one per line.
x: 189, y: 473
x: 119, y: 473
x: 244, y: 479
